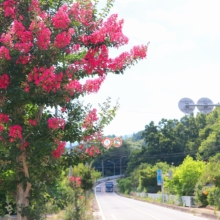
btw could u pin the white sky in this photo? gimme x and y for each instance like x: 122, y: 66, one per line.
x: 182, y: 61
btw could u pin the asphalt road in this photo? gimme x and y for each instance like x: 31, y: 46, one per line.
x: 114, y: 207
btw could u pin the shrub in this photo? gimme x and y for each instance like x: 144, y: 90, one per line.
x: 213, y: 197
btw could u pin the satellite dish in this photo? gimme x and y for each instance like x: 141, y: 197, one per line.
x: 185, y: 105
x: 205, y: 105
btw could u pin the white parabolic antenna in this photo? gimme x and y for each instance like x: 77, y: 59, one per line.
x: 184, y: 105
x: 205, y: 105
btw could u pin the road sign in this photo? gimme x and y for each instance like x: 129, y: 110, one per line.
x: 107, y: 142
x: 159, y: 177
x: 117, y: 142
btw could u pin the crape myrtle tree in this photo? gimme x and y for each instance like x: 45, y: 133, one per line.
x: 46, y: 49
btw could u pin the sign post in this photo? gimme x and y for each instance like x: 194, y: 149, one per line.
x: 160, y: 182
x: 107, y: 142
x: 117, y: 142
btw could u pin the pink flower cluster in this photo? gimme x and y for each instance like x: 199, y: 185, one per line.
x: 119, y: 62
x: 96, y: 60
x: 42, y: 34
x: 32, y: 122
x: 97, y: 136
x: 82, y: 13
x: 124, y: 59
x: 59, y: 150
x: 75, y: 180
x: 63, y: 39
x: 138, y: 52
x: 4, y: 81
x: 56, y: 123
x: 92, y: 151
x: 110, y: 30
x: 24, y: 37
x: 9, y: 8
x: 93, y: 85
x: 23, y: 59
x: 15, y: 131
x: 61, y: 19
x: 3, y: 119
x: 46, y: 78
x: 90, y: 119
x: 73, y: 86
x: 1, y: 128
x: 4, y: 53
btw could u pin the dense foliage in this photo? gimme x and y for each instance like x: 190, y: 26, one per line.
x: 189, y: 146
x: 46, y: 49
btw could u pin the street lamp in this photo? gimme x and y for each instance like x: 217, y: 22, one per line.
x: 120, y: 164
x: 113, y: 164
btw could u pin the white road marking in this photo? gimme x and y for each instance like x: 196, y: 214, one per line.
x: 101, y: 212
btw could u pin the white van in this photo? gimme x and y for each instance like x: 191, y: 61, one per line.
x: 98, y: 189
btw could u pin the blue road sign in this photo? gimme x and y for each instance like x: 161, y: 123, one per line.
x: 159, y: 177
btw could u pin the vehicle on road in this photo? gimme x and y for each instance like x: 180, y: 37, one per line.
x: 109, y: 186
x: 98, y: 189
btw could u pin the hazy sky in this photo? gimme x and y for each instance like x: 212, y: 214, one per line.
x: 182, y: 61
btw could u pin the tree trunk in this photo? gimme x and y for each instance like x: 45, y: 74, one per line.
x: 23, y: 190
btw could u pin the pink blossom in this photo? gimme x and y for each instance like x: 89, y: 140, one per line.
x: 32, y: 122
x: 15, y: 131
x: 92, y: 151
x: 95, y: 60
x: 1, y: 128
x: 63, y: 39
x: 4, y: 118
x: 90, y: 119
x: 56, y: 123
x: 4, y: 53
x: 9, y: 8
x: 138, y: 52
x: 61, y: 19
x: 110, y: 30
x: 24, y: 37
x: 59, y: 150
x: 34, y: 6
x: 46, y: 78
x: 82, y: 13
x: 93, y: 85
x: 4, y: 81
x: 43, y: 34
x: 63, y: 109
x: 75, y: 180
x: 6, y: 39
x: 96, y: 136
x: 73, y: 86
x: 23, y: 59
